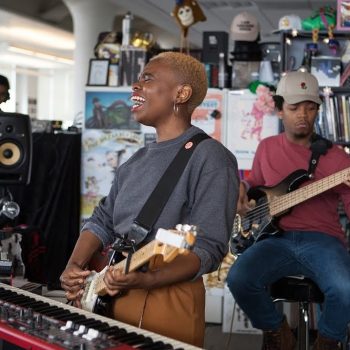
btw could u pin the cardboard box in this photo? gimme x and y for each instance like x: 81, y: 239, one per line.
x: 213, y: 305
x: 234, y: 319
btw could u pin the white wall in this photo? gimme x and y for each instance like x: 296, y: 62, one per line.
x: 55, y: 95
x: 22, y: 93
x: 52, y: 89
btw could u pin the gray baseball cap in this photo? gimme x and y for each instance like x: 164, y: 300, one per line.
x: 299, y: 86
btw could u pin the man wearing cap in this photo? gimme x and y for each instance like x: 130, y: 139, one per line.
x: 310, y: 240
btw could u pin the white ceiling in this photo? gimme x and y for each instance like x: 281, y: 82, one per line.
x: 220, y: 13
x: 20, y: 18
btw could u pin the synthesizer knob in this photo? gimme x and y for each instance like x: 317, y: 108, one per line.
x: 39, y: 319
x: 21, y: 314
x: 31, y: 323
x: 30, y: 313
x: 67, y: 343
x: 4, y: 313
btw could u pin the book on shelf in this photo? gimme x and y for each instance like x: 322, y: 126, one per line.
x: 334, y: 118
x: 212, y: 72
x: 345, y: 110
x: 344, y: 78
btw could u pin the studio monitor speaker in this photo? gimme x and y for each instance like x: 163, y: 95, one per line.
x: 15, y: 148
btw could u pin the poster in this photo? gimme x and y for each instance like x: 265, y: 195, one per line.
x: 208, y: 115
x: 343, y: 15
x: 248, y: 122
x: 110, y: 137
x: 103, y: 151
x: 109, y: 110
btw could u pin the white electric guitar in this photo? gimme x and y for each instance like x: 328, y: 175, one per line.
x: 167, y: 243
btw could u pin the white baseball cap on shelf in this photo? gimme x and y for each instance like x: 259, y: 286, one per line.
x: 289, y: 22
x: 245, y: 27
x: 298, y: 86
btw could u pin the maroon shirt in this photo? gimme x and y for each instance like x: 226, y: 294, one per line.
x: 276, y: 158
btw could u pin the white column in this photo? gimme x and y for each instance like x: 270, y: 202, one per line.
x: 90, y: 17
x: 46, y: 91
x: 22, y: 93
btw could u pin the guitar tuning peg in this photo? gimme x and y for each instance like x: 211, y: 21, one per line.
x: 187, y: 228
x: 193, y: 229
x: 179, y: 227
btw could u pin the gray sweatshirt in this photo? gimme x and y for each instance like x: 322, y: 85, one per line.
x: 205, y: 196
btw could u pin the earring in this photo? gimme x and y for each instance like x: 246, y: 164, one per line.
x: 176, y: 108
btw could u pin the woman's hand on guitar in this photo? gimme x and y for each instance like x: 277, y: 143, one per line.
x: 243, y: 204
x: 73, y: 282
x: 116, y: 281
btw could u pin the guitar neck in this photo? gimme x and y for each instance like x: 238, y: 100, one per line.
x: 139, y: 258
x: 289, y: 200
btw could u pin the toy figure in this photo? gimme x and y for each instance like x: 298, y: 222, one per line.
x: 187, y: 13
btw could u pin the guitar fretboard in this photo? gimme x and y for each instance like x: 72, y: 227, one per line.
x: 287, y: 201
x: 139, y: 258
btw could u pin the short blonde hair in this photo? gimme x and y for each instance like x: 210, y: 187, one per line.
x: 190, y: 71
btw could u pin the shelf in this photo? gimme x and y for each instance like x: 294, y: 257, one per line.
x: 337, y: 90
x: 327, y: 65
x: 305, y: 34
x: 292, y: 47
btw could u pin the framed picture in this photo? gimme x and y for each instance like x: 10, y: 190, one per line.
x: 98, y: 72
x: 113, y: 75
x: 327, y: 70
x: 343, y: 15
x: 109, y: 110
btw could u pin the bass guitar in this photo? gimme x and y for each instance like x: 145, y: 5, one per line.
x: 274, y: 202
x: 167, y: 243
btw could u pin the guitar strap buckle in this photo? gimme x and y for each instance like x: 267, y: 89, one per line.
x: 319, y: 146
x: 123, y: 244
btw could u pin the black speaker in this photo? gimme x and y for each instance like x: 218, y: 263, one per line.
x: 213, y: 44
x: 15, y: 148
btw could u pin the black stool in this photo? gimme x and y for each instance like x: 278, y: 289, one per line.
x: 304, y: 291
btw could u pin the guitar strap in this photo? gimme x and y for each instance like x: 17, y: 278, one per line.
x: 319, y: 146
x: 154, y: 205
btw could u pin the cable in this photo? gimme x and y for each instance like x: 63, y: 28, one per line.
x: 231, y: 325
